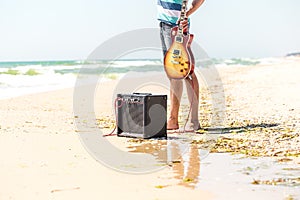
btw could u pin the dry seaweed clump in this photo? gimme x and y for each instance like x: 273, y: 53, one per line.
x: 279, y: 181
x: 106, y: 122
x: 275, y: 142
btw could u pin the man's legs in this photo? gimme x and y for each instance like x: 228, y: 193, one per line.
x: 192, y: 87
x: 175, y: 97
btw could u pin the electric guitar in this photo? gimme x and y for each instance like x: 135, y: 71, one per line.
x: 179, y: 60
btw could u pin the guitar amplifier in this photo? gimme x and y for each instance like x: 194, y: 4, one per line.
x: 142, y: 115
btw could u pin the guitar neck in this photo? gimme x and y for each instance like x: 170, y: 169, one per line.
x: 182, y: 15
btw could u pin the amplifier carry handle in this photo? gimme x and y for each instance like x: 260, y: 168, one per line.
x: 145, y: 94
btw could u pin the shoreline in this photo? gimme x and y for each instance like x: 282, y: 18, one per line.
x: 64, y: 68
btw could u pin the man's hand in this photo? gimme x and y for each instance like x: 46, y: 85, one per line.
x: 184, y: 24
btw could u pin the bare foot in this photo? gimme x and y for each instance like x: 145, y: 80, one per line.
x: 192, y: 126
x: 172, y: 124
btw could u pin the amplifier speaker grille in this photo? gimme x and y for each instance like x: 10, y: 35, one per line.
x: 142, y: 115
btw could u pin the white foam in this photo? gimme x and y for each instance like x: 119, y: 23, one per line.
x: 17, y: 85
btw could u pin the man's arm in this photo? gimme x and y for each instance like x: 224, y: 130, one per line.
x: 195, y: 5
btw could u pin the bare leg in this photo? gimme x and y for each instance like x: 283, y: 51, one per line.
x: 192, y: 87
x: 175, y: 97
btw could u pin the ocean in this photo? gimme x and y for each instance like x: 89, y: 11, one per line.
x: 20, y: 78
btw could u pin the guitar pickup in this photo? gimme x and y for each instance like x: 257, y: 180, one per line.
x: 179, y: 39
x: 176, y: 52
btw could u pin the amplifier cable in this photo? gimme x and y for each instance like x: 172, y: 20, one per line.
x: 116, y: 118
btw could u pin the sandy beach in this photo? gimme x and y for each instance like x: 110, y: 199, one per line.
x: 43, y: 156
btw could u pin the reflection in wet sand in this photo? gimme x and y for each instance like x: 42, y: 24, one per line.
x: 188, y: 170
x: 157, y: 148
x: 182, y: 156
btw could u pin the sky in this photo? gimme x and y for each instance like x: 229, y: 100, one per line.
x: 71, y: 29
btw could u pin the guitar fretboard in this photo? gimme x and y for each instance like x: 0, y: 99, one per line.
x: 182, y: 15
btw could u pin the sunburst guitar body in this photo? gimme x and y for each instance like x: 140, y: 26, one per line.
x: 179, y: 60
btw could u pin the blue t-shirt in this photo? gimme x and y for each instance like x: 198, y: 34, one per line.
x: 169, y: 10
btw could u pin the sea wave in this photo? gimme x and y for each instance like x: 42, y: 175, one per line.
x: 23, y: 77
